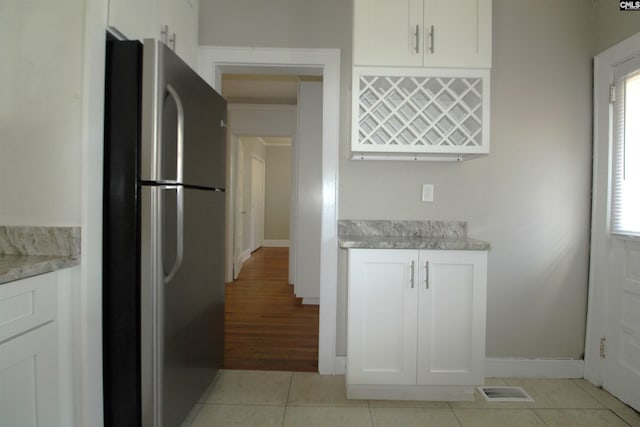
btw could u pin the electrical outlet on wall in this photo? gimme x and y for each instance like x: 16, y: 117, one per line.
x: 427, y: 192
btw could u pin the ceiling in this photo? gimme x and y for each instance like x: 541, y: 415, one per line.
x: 263, y: 88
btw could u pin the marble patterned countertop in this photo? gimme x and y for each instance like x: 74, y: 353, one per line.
x: 29, y: 251
x: 387, y: 234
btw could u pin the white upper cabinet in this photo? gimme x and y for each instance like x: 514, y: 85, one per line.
x: 181, y: 19
x: 420, y: 113
x: 174, y: 22
x: 422, y: 33
x: 133, y: 19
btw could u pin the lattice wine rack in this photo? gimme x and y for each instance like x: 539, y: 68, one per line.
x: 418, y: 111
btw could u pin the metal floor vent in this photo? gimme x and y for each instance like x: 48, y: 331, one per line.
x: 504, y: 394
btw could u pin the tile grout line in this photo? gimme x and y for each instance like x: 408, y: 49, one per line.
x: 535, y: 412
x: 286, y: 403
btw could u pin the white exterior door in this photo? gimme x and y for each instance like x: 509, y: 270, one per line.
x: 622, y: 363
x: 613, y: 333
x: 622, y: 358
x: 382, y: 322
x: 452, y: 313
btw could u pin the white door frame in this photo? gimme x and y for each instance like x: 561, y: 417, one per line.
x: 238, y: 179
x: 604, y: 64
x: 216, y: 60
x: 257, y: 229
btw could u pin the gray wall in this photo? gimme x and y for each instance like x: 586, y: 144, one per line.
x: 530, y: 197
x: 611, y: 25
x: 277, y: 192
x: 41, y: 111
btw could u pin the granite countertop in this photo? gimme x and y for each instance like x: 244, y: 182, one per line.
x: 29, y: 251
x: 385, y: 234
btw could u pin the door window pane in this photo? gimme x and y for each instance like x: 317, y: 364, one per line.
x: 625, y: 209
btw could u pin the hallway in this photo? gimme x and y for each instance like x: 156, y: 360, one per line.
x: 266, y: 326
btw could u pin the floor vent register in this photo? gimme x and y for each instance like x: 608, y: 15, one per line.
x: 504, y: 394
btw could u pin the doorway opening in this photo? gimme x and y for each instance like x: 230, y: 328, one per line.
x: 272, y: 311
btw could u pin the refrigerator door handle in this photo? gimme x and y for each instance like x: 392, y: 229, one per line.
x: 180, y: 137
x: 179, y: 233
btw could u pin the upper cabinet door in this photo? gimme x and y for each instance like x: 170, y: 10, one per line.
x: 422, y: 33
x: 133, y: 19
x: 173, y: 22
x: 181, y: 19
x: 388, y: 32
x: 457, y: 34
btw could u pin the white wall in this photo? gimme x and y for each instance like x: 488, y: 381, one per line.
x: 308, y: 222
x: 529, y: 198
x: 41, y: 111
x: 278, y: 192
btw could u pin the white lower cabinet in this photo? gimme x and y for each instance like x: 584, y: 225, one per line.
x: 29, y: 372
x: 416, y: 323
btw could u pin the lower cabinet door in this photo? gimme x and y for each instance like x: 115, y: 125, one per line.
x: 382, y: 319
x: 29, y: 379
x: 452, y: 316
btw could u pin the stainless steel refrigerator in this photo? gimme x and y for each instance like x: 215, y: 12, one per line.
x: 164, y: 228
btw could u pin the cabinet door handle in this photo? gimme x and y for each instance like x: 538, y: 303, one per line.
x: 413, y: 267
x: 164, y: 34
x: 417, y: 36
x: 426, y: 274
x: 432, y: 34
x: 172, y: 42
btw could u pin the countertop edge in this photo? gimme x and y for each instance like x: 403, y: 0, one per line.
x: 26, y: 266
x: 395, y: 242
x: 27, y: 251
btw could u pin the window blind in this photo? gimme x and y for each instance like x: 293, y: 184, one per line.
x: 625, y: 172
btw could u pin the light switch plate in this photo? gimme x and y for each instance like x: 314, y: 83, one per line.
x: 427, y: 192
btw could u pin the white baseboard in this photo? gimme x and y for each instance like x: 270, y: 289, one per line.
x: 534, y: 368
x: 341, y: 365
x: 310, y: 301
x: 515, y: 368
x: 276, y: 243
x: 245, y: 255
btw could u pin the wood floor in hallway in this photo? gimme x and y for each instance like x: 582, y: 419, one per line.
x: 266, y: 326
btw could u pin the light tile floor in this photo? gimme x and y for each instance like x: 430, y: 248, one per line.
x: 292, y: 399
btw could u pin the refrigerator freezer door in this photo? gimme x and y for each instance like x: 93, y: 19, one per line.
x: 183, y: 123
x: 187, y: 322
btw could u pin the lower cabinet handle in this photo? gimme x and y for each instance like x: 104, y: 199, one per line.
x: 413, y: 267
x: 426, y: 274
x: 417, y: 36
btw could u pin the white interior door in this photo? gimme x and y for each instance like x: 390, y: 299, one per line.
x: 239, y: 210
x: 614, y: 307
x: 257, y: 202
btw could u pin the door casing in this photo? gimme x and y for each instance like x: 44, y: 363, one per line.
x: 214, y: 61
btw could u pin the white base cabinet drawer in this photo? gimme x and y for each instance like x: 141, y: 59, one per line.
x: 26, y: 304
